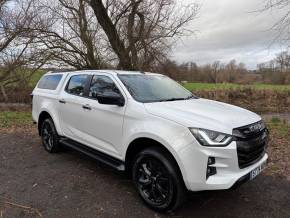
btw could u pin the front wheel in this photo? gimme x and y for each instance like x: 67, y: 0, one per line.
x: 158, y: 180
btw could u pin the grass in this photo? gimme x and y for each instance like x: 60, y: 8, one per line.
x: 214, y: 86
x: 9, y: 119
x: 280, y: 127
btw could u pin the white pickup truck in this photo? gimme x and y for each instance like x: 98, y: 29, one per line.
x: 169, y: 140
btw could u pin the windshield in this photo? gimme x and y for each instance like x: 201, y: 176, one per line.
x: 154, y: 88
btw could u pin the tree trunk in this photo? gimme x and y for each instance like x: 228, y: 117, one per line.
x: 4, y: 93
x: 112, y: 34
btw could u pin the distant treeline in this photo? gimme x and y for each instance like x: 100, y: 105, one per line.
x: 276, y: 71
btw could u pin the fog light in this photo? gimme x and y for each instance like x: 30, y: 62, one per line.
x: 210, y: 169
x: 211, y: 161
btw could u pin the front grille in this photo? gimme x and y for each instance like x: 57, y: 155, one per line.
x: 251, y: 144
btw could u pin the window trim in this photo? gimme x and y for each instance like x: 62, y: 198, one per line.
x: 88, y: 85
x: 85, y: 87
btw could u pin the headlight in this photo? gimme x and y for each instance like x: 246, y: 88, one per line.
x: 211, y: 138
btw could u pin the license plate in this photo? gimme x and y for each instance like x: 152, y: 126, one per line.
x: 255, y: 172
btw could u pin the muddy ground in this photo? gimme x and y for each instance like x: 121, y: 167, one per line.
x: 34, y: 183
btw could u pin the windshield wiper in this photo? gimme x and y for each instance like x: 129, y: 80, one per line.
x: 178, y: 99
x: 190, y: 97
x: 173, y: 99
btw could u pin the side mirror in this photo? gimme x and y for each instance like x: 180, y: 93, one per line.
x: 111, y: 99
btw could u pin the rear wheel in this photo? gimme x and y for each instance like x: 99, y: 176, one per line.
x: 158, y: 180
x: 49, y: 136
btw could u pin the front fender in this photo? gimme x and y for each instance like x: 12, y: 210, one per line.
x: 174, y: 137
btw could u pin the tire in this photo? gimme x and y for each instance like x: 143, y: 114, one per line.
x: 158, y: 180
x: 49, y: 136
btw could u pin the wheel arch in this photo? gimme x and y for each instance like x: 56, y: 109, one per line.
x: 44, y: 114
x: 141, y: 143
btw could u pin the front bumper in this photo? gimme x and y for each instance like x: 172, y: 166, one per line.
x: 194, y: 164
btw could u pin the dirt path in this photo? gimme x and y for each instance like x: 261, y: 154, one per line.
x: 34, y: 183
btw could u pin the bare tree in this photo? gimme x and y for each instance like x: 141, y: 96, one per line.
x: 7, y: 32
x: 139, y: 31
x: 282, y: 26
x: 216, y: 68
x: 169, y: 68
x: 283, y: 61
x: 276, y: 70
x: 19, y: 53
x: 72, y: 34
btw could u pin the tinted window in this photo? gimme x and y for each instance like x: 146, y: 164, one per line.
x: 76, y: 85
x: 103, y: 85
x: 49, y: 81
x: 154, y: 88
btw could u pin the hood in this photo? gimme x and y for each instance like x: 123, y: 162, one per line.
x: 203, y: 113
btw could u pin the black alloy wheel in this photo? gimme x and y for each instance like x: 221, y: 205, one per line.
x: 49, y: 136
x: 154, y: 182
x: 157, y: 180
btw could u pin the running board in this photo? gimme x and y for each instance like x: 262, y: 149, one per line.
x: 97, y: 155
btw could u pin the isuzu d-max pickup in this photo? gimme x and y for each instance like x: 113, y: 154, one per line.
x: 167, y: 139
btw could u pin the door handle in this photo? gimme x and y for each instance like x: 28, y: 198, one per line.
x: 62, y: 101
x: 87, y: 107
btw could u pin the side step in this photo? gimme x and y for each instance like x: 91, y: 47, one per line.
x: 97, y: 155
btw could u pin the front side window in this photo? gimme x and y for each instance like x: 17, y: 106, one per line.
x: 76, y: 85
x: 103, y: 85
x: 154, y: 88
x: 49, y: 82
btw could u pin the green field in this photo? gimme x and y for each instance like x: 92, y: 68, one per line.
x: 11, y: 118
x: 213, y: 86
x: 279, y: 126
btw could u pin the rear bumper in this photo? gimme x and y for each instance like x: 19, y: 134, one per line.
x: 194, y: 163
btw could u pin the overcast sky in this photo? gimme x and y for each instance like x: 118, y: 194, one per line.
x: 228, y: 29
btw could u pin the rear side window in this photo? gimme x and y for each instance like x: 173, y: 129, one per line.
x: 76, y: 85
x: 49, y: 81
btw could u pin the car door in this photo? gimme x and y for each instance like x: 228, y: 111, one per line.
x: 103, y: 123
x: 71, y: 104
